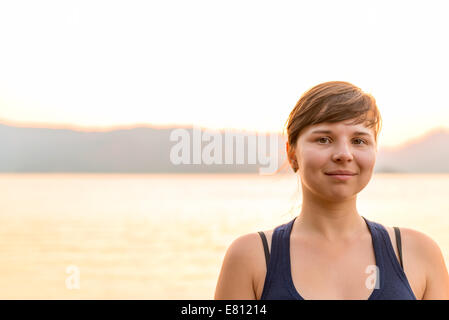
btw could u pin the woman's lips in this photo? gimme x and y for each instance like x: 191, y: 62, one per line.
x: 343, y: 177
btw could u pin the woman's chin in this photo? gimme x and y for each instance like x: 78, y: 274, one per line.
x: 340, y: 196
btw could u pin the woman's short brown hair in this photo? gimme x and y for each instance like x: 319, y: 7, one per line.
x: 332, y: 101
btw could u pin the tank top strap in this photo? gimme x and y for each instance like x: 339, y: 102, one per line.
x: 389, y: 258
x: 379, y: 254
x: 383, y: 240
x: 280, y: 244
x: 284, y: 245
x: 279, y: 263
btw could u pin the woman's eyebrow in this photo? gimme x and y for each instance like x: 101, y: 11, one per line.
x: 358, y: 133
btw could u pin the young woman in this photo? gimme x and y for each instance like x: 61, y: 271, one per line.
x: 329, y: 251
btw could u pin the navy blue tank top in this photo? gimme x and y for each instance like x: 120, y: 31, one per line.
x: 392, y: 282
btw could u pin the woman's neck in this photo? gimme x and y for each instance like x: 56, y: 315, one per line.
x: 332, y: 222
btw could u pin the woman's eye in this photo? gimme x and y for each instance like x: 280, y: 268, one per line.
x: 322, y: 140
x: 360, y: 140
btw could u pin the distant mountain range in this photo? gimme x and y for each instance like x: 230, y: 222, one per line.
x: 155, y: 150
x: 426, y: 154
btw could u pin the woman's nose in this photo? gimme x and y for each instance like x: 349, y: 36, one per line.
x: 342, y: 153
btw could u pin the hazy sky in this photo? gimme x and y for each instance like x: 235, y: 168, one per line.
x: 221, y: 64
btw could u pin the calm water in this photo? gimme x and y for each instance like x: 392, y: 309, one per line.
x: 164, y: 236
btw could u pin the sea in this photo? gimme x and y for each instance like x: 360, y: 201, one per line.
x: 164, y: 236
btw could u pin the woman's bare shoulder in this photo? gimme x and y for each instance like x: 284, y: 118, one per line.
x: 430, y: 255
x: 242, y: 265
x: 423, y: 262
x: 246, y: 246
x: 422, y: 244
x: 417, y: 240
x: 243, y: 246
x: 415, y: 243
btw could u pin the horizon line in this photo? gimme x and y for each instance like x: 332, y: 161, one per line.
x: 109, y: 128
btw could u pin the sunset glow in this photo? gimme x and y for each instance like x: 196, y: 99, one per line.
x: 93, y: 65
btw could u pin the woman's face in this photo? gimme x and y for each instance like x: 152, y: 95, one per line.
x: 326, y: 147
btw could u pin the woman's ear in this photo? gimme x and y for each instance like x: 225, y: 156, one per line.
x: 291, y: 157
x: 288, y: 151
